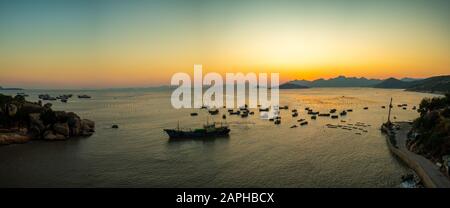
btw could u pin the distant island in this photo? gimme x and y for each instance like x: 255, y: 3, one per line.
x: 436, y: 84
x: 10, y: 88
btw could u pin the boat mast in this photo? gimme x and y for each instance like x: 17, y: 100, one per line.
x: 389, y: 115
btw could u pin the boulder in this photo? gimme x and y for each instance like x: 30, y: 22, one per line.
x: 87, y: 127
x: 31, y: 108
x: 36, y: 126
x: 48, y: 105
x: 12, y: 138
x: 74, y: 123
x: 52, y: 136
x: 12, y: 110
x: 61, y: 128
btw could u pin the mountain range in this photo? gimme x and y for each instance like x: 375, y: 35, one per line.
x: 439, y: 84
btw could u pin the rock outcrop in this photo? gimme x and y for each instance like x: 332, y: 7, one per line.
x: 21, y: 121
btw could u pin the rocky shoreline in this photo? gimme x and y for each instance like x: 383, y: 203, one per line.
x: 22, y: 121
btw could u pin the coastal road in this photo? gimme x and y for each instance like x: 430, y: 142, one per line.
x: 430, y: 169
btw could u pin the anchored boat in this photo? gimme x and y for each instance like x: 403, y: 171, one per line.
x: 208, y: 130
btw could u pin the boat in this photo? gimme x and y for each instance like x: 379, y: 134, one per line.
x: 263, y: 109
x: 277, y: 121
x: 208, y: 130
x: 294, y: 110
x: 324, y: 114
x: 235, y: 113
x: 194, y: 114
x: 213, y: 111
x: 284, y: 107
x: 343, y: 113
x: 314, y: 117
x: 304, y: 123
x: 84, y: 96
x: 349, y: 110
x: 295, y: 114
x: 365, y: 108
x: 334, y: 116
x: 333, y: 111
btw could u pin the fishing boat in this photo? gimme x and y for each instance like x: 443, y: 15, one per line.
x: 213, y: 111
x: 84, y: 96
x: 208, y: 130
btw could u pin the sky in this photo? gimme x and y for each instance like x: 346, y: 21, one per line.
x: 138, y: 43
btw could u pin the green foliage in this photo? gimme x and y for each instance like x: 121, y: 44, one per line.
x: 433, y: 125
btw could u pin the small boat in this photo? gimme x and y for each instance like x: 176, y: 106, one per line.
x: 307, y: 109
x: 264, y: 109
x: 271, y: 119
x: 295, y: 114
x: 334, y: 116
x: 314, y: 117
x: 349, y: 110
x: 383, y: 106
x: 251, y: 113
x: 213, y: 111
x: 304, y: 123
x: 64, y: 100
x: 404, y: 108
x: 365, y: 108
x: 414, y: 108
x: 245, y: 114
x: 224, y: 116
x: 277, y: 122
x: 343, y: 113
x: 208, y: 130
x: 84, y: 96
x: 235, y: 113
x: 284, y: 107
x: 293, y: 126
x: 324, y: 114
x: 300, y: 120
x: 333, y: 111
x: 294, y: 110
x: 230, y: 110
x: 194, y: 114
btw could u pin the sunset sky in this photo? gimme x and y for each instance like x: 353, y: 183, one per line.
x: 100, y: 43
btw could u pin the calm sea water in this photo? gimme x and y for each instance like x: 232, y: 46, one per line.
x: 256, y: 154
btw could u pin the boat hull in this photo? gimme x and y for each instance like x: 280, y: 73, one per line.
x: 173, y: 133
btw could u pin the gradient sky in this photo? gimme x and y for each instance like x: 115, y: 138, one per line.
x: 101, y: 43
